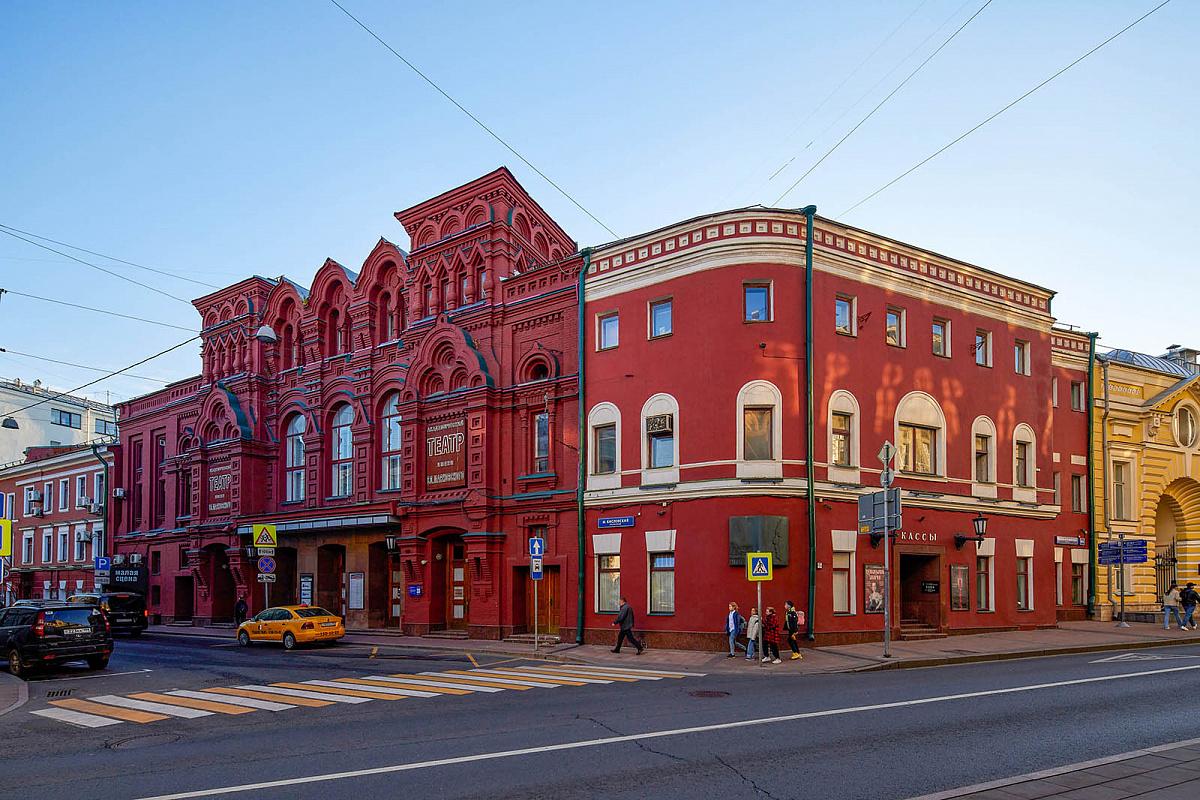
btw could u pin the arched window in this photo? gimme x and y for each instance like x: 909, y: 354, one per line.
x: 1024, y: 464
x: 604, y: 422
x: 334, y: 333
x: 759, y: 431
x: 294, y: 459
x: 387, y: 320
x: 1185, y: 425
x: 920, y: 435
x: 660, y: 440
x: 983, y: 457
x: 390, y: 441
x: 843, y: 426
x: 287, y: 348
x: 342, y: 452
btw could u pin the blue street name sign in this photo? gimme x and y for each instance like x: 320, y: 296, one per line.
x: 537, y: 547
x: 414, y: 590
x: 615, y: 522
x: 535, y: 568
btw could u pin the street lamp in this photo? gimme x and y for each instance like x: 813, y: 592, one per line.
x: 980, y: 523
x: 10, y: 424
x: 266, y: 335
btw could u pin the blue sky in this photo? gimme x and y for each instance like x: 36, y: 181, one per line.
x: 216, y: 140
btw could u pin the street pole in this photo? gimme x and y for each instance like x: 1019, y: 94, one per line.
x: 887, y: 576
x: 535, y: 613
x: 1121, y: 545
x: 761, y: 615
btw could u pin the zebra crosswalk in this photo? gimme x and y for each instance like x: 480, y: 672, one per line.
x: 148, y: 707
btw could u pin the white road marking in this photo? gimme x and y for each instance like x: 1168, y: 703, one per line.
x: 153, y: 708
x: 534, y: 674
x: 248, y: 702
x: 1137, y: 657
x: 415, y: 681
x: 76, y: 717
x: 360, y: 687
x: 596, y: 673
x: 96, y: 675
x: 649, y: 735
x: 332, y: 698
x: 490, y: 679
x: 620, y: 670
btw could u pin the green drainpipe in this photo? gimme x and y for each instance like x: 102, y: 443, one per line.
x: 1091, y: 473
x: 809, y: 462
x: 579, y: 478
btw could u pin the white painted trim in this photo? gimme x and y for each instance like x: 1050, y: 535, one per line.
x: 660, y: 403
x: 1024, y: 433
x: 660, y: 542
x: 603, y: 413
x: 908, y: 410
x: 983, y: 426
x: 842, y: 401
x: 760, y: 393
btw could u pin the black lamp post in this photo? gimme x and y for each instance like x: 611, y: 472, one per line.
x: 980, y: 523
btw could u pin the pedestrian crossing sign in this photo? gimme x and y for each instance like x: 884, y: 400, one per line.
x: 264, y: 536
x: 6, y: 543
x: 759, y: 567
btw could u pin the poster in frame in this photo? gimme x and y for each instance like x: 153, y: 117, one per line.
x: 873, y: 588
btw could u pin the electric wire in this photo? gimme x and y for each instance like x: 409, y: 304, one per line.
x: 12, y: 352
x: 15, y: 293
x: 882, y: 102
x: 476, y: 119
x: 110, y: 258
x: 925, y: 161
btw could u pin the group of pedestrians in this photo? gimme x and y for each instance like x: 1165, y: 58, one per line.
x: 1186, y: 598
x: 767, y: 628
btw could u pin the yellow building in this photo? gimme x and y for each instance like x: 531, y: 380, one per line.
x: 1147, y: 474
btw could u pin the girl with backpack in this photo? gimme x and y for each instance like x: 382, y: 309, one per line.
x: 771, y: 637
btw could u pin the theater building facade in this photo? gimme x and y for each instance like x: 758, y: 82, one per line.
x: 406, y: 429
x: 698, y: 411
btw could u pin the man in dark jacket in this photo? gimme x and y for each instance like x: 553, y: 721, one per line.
x: 240, y: 610
x: 1188, y: 599
x: 625, y: 621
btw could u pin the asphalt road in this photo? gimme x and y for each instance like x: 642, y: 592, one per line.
x: 877, y: 735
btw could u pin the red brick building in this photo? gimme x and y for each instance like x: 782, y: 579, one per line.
x: 414, y: 424
x: 695, y: 390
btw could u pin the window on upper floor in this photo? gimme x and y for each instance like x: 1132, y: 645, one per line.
x: 604, y: 420
x: 896, y: 323
x: 106, y: 427
x: 844, y: 315
x: 757, y: 432
x: 1054, y: 392
x: 47, y: 547
x: 608, y: 331
x: 1024, y: 464
x: 983, y: 459
x: 1021, y: 357
x: 1078, y: 497
x: 1076, y: 395
x: 605, y: 446
x: 183, y: 493
x: 293, y: 454
x: 1021, y: 465
x: 917, y: 449
x: 65, y: 418
x: 390, y: 443
x: 660, y: 440
x: 1121, y: 505
x: 541, y: 443
x: 342, y: 452
x: 840, y: 430
x: 81, y: 497
x: 1185, y: 426
x: 941, y: 337
x: 660, y: 318
x: 983, y: 347
x: 756, y: 302
x: 64, y: 494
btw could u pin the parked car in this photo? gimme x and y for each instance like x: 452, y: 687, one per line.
x: 291, y: 625
x: 54, y: 633
x: 126, y: 611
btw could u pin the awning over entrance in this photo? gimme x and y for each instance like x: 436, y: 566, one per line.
x: 330, y: 523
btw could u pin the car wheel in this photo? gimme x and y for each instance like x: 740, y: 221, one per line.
x: 97, y: 662
x: 289, y: 641
x: 15, y: 666
x: 243, y: 639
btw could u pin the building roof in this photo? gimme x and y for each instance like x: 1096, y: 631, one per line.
x: 35, y: 390
x: 1155, y: 363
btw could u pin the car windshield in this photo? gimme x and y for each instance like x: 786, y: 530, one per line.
x: 125, y: 602
x: 68, y: 617
x: 312, y: 612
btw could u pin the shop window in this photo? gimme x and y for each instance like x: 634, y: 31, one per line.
x: 608, y: 331
x: 941, y: 337
x: 1024, y: 601
x: 843, y: 565
x: 917, y: 450
x: 662, y: 583
x: 342, y: 483
x: 983, y: 582
x: 390, y: 442
x: 294, y: 458
x: 1077, y: 493
x: 608, y: 584
x: 660, y: 318
x: 605, y: 445
x: 983, y: 347
x: 894, y: 333
x: 844, y: 315
x: 541, y: 443
x: 756, y: 302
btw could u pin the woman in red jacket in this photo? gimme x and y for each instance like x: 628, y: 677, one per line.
x: 771, y: 637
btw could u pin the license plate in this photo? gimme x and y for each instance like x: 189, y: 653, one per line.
x: 76, y: 631
x: 328, y: 624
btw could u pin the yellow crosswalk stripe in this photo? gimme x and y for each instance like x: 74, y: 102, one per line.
x: 496, y: 673
x: 295, y: 701
x: 189, y: 702
x: 127, y: 714
x: 331, y: 690
x: 413, y: 686
x: 473, y: 682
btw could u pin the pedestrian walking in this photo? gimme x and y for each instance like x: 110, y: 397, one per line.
x: 791, y: 622
x: 1188, y: 599
x: 1171, y: 606
x: 753, y: 629
x: 733, y: 628
x: 771, y: 637
x: 624, y: 621
x: 240, y: 610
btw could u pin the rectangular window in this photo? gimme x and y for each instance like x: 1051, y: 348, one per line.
x: 941, y: 337
x: 1058, y: 583
x: 63, y: 546
x: 183, y: 494
x: 983, y: 459
x: 841, y: 583
x: 983, y: 582
x: 106, y: 427
x: 27, y: 549
x: 1021, y: 357
x: 1077, y: 584
x: 47, y: 547
x: 156, y: 562
x: 844, y: 315
x: 606, y: 449
x: 99, y: 496
x: 609, y: 333
x: 1120, y: 498
x: 1057, y: 489
x: 29, y: 490
x: 1023, y: 599
x: 662, y: 583
x: 155, y: 595
x: 1021, y: 468
x: 64, y: 494
x: 65, y: 418
x: 660, y: 440
x: 756, y: 431
x: 80, y: 545
x: 895, y: 327
x: 1077, y: 395
x: 47, y: 497
x: 756, y: 302
x: 541, y: 443
x: 917, y: 450
x: 983, y: 347
x: 183, y: 556
x: 660, y: 318
x: 841, y: 440
x: 608, y: 584
x: 1077, y: 495
x: 81, y: 491
x: 1054, y: 392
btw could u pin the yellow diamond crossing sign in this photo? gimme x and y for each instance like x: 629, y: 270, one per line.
x: 759, y: 567
x: 264, y: 536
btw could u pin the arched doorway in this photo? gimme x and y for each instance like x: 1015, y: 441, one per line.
x: 331, y: 578
x: 222, y: 593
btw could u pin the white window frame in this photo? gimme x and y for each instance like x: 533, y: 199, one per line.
x: 64, y: 494
x: 661, y: 403
x: 1126, y: 495
x: 390, y: 469
x: 1078, y: 479
x: 27, y: 548
x: 986, y: 549
x: 604, y: 544
x: 1024, y: 548
x: 341, y: 465
x: 29, y: 490
x: 770, y: 287
x: 1023, y: 433
x: 1054, y: 391
x: 923, y: 410
x: 902, y: 313
x: 600, y: 318
x: 1080, y: 556
x: 986, y: 350
x: 852, y: 300
x: 80, y: 490
x: 10, y: 506
x: 64, y: 545
x: 759, y: 394
x: 99, y: 487
x: 659, y: 543
x: 47, y: 546
x: 946, y: 328
x: 1021, y: 354
x: 669, y: 302
x: 983, y: 426
x: 604, y: 413
x: 1080, y: 395
x: 80, y: 544
x: 48, y: 497
x: 846, y: 542
x: 1058, y: 576
x: 1195, y: 415
x: 841, y: 401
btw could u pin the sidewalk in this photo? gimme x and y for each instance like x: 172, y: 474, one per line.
x: 13, y: 692
x: 1070, y: 637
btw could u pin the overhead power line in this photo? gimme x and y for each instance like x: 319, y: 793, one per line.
x: 937, y: 153
x: 476, y: 119
x: 105, y: 377
x: 12, y: 352
x: 870, y: 114
x: 15, y: 293
x: 111, y: 258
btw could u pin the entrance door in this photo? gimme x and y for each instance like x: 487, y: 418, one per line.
x: 458, y: 589
x: 396, y: 590
x: 185, y: 598
x: 920, y: 590
x: 331, y: 578
x: 547, y: 602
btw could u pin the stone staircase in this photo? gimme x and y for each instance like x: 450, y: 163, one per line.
x: 544, y: 639
x: 447, y: 635
x: 914, y: 630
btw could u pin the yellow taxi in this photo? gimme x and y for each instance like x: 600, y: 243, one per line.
x: 291, y: 625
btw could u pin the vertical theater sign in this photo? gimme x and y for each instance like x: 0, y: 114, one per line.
x: 445, y: 465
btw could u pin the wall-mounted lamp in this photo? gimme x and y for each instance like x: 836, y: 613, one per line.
x: 10, y: 424
x: 980, y: 523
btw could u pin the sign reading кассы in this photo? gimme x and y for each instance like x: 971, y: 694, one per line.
x: 445, y: 461
x: 220, y: 480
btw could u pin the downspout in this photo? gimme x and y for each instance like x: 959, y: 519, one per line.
x: 103, y: 500
x: 809, y: 461
x: 1091, y: 479
x: 582, y: 468
x: 1104, y: 475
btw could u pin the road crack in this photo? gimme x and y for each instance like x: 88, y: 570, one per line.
x: 647, y: 748
x: 738, y: 772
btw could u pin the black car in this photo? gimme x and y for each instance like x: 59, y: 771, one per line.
x: 54, y: 633
x: 126, y: 611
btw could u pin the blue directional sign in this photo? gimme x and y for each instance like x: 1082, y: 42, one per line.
x: 535, y: 568
x: 537, y: 547
x: 266, y: 565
